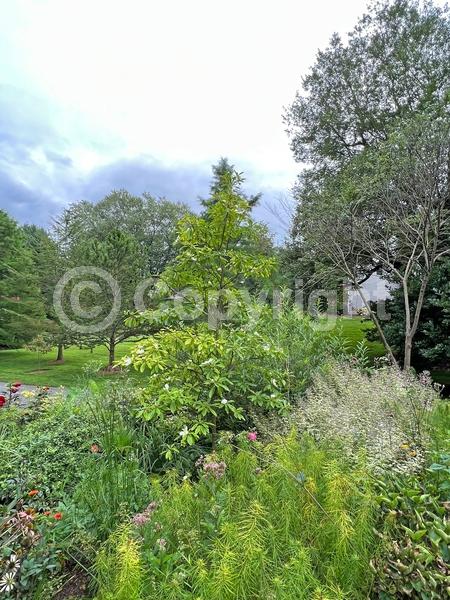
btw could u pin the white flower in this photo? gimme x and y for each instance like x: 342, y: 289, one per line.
x: 224, y: 401
x: 14, y: 562
x: 184, y: 432
x: 127, y: 361
x: 166, y: 387
x: 206, y: 362
x: 140, y: 351
x: 7, y: 582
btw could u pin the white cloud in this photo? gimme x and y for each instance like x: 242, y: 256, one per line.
x: 182, y: 81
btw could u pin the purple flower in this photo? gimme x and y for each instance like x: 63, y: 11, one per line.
x: 252, y: 436
x: 140, y: 519
x: 144, y: 517
x: 216, y: 469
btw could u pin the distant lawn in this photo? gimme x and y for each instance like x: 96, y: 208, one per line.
x: 353, y: 330
x: 31, y: 368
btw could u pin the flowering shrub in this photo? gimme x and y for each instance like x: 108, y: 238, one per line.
x: 208, y: 380
x: 27, y: 556
x: 383, y: 414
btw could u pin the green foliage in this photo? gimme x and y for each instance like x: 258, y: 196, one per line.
x: 113, y: 485
x: 221, y: 171
x: 119, y: 567
x: 149, y: 221
x: 414, y: 524
x: 207, y: 379
x: 219, y: 250
x: 21, y: 305
x: 208, y: 374
x: 432, y: 346
x: 27, y: 555
x: 288, y: 521
x: 355, y: 90
x: 48, y: 453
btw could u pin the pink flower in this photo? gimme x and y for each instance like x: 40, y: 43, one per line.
x: 252, y: 436
x: 216, y: 469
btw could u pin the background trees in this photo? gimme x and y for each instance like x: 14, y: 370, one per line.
x: 373, y: 126
x: 131, y: 238
x: 21, y: 305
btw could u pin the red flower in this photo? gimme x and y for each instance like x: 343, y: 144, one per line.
x: 252, y: 436
x: 17, y: 384
x: 95, y: 449
x: 14, y: 390
x: 2, y: 401
x: 58, y: 516
x: 32, y: 493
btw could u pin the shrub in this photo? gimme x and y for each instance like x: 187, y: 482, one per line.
x: 48, y: 453
x: 287, y: 521
x: 206, y: 380
x: 383, y: 414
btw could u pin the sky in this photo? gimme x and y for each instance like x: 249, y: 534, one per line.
x: 146, y: 95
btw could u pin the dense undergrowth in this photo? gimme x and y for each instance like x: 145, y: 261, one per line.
x: 253, y: 459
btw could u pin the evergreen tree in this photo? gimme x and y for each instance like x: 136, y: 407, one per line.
x: 22, y: 311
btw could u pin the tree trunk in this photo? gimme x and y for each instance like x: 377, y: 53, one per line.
x: 377, y: 325
x: 112, y: 350
x: 410, y: 330
x: 408, y: 350
x: 60, y: 354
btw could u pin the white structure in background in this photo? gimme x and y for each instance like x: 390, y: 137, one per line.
x: 374, y: 289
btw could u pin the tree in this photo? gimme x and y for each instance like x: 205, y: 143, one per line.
x: 49, y: 266
x: 21, y: 306
x: 357, y: 99
x: 388, y: 209
x: 108, y: 295
x: 221, y: 171
x: 394, y: 64
x: 151, y: 222
x: 205, y: 374
x: 432, y: 341
x: 130, y: 237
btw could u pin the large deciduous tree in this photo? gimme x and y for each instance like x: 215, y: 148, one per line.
x: 372, y: 122
x: 394, y: 63
x: 129, y: 237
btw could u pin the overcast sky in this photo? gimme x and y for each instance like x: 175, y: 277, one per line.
x: 146, y: 94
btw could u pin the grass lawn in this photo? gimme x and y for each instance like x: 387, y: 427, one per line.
x: 353, y: 329
x: 30, y: 368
